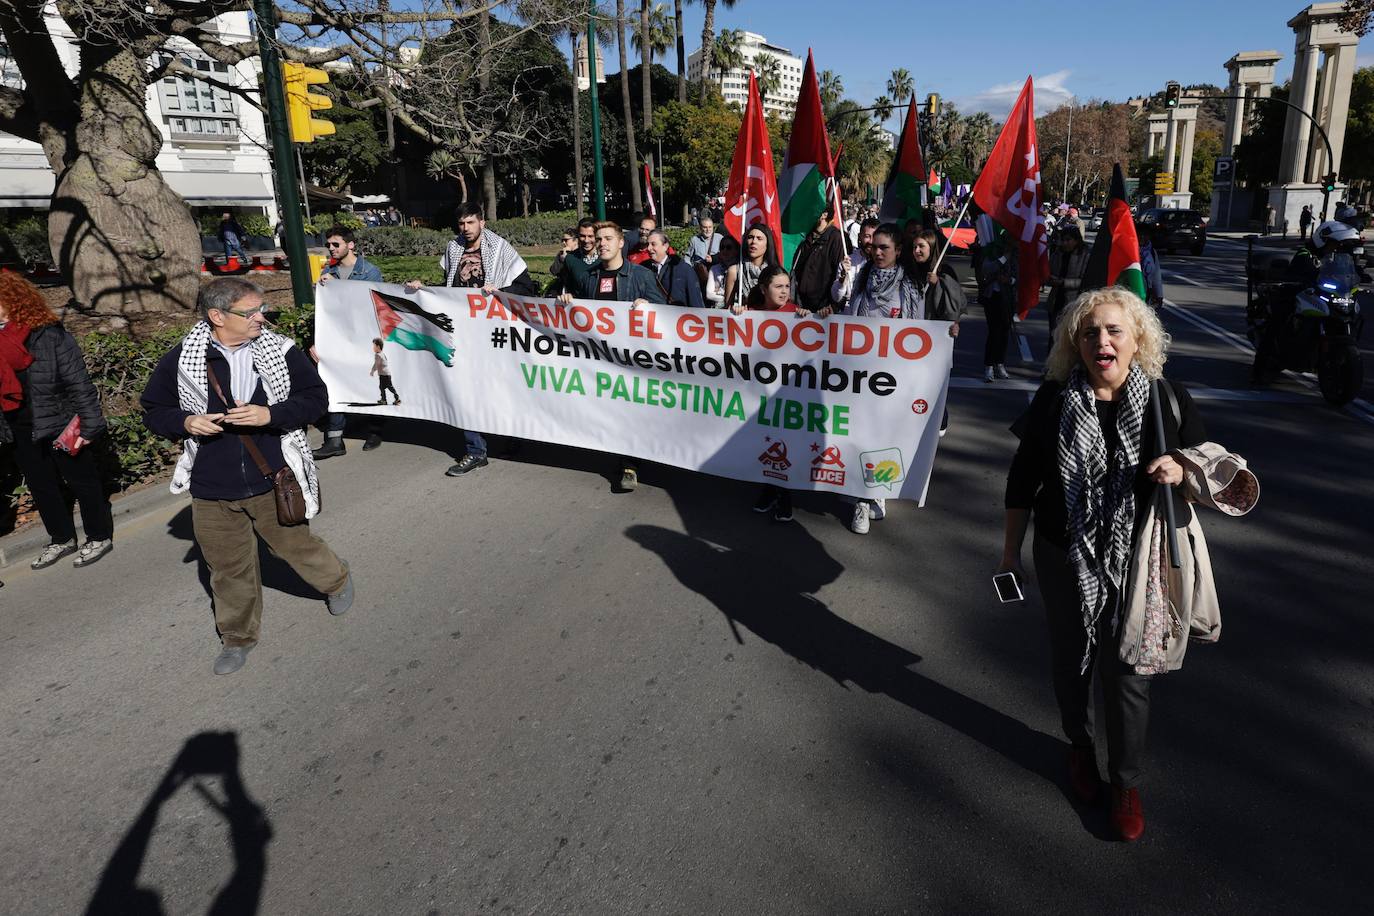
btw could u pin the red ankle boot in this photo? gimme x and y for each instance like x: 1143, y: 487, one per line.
x: 1083, y: 778
x: 1128, y: 817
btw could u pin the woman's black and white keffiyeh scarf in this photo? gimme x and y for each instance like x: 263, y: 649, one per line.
x: 887, y: 292
x: 269, y: 359
x: 501, y: 263
x: 1099, y: 499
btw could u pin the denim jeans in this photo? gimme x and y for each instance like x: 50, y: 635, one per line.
x: 336, y: 424
x: 476, y: 445
x: 231, y: 245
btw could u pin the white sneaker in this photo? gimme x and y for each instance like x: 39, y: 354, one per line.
x: 987, y: 374
x: 877, y: 510
x: 859, y: 524
x: 1002, y: 371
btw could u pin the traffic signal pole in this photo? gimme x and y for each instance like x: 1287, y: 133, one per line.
x: 600, y: 202
x: 283, y: 154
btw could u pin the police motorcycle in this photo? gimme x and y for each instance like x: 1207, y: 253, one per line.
x: 1311, y: 319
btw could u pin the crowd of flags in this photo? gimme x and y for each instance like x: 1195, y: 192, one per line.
x: 1008, y: 189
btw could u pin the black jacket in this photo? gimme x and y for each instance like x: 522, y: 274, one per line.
x: 813, y: 271
x: 57, y: 386
x: 223, y: 468
x: 1034, y: 483
x: 679, y: 281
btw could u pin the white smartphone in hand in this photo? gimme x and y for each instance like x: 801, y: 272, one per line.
x: 1008, y: 587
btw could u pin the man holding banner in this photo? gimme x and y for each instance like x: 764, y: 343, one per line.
x: 480, y: 259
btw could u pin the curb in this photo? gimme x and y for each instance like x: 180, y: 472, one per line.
x: 30, y: 540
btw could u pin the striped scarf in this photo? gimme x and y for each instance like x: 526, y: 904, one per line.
x: 1099, y: 498
x: 269, y: 359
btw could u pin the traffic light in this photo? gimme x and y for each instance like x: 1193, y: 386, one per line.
x: 933, y: 104
x: 1172, y: 91
x: 301, y: 103
x: 1329, y: 182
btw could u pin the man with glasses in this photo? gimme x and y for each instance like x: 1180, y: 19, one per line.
x: 345, y: 264
x: 229, y: 383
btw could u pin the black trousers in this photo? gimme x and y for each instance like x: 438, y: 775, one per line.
x: 45, y: 469
x: 384, y: 385
x: 1126, y: 695
x: 997, y: 311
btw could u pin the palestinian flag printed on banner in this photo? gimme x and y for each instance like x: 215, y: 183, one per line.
x: 903, y: 195
x: 1115, y: 258
x: 804, y: 185
x: 403, y: 322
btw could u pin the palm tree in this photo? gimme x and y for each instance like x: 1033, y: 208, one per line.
x: 660, y: 40
x: 882, y: 108
x: 899, y: 86
x: 636, y: 196
x: 680, y: 40
x: 978, y: 133
x: 442, y: 164
x: 708, y: 42
x: 831, y: 89
x: 769, y: 70
x: 728, y: 52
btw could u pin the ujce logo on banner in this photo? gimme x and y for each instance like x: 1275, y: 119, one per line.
x: 828, y: 467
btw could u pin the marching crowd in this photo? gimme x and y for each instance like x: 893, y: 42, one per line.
x: 239, y: 397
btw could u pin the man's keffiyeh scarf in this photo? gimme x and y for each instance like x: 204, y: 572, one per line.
x: 501, y: 263
x: 269, y: 359
x: 1099, y: 499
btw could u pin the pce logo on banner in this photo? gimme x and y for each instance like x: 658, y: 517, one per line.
x: 883, y: 468
x: 828, y: 467
x: 775, y: 461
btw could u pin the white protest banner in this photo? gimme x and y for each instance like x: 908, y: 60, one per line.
x: 844, y: 405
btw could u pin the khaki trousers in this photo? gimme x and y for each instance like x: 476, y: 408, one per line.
x: 224, y: 529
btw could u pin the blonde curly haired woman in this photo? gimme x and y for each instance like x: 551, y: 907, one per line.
x: 1085, y: 470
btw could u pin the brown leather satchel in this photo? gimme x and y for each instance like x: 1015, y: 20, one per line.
x: 286, y: 488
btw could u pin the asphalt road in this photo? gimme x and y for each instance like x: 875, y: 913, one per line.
x: 553, y: 699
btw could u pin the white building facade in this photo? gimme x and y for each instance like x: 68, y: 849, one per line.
x: 214, y: 146
x: 734, y: 83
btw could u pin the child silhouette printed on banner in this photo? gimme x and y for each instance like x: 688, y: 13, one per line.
x: 383, y: 373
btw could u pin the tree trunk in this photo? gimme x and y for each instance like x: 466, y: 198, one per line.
x: 646, y: 66
x: 681, y: 52
x: 708, y: 38
x: 484, y: 83
x: 636, y: 195
x: 524, y: 197
x: 125, y: 242
x: 577, y: 136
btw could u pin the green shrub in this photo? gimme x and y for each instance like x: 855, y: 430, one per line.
x: 679, y: 237
x: 319, y: 222
x: 394, y: 241
x: 540, y: 229
x: 256, y: 224
x: 30, y: 238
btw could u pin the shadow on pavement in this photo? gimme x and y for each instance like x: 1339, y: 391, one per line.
x: 276, y: 573
x: 206, y: 754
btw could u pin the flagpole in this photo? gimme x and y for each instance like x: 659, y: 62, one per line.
x: 948, y: 242
x: 834, y: 198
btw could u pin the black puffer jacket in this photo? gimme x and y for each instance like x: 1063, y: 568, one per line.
x: 57, y: 385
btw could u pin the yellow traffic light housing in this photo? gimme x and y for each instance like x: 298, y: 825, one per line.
x: 301, y: 103
x: 933, y: 105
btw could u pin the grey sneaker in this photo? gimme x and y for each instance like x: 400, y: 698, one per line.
x: 52, y: 553
x: 877, y: 510
x: 629, y: 480
x: 1002, y: 371
x: 859, y: 524
x: 339, y: 602
x: 91, y: 551
x: 230, y: 660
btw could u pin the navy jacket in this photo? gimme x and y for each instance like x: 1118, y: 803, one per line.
x: 223, y: 468
x: 679, y: 282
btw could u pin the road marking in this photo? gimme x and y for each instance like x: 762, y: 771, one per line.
x: 1359, y: 408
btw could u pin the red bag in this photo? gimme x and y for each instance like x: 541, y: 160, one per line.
x: 69, y: 441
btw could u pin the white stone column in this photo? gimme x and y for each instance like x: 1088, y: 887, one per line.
x: 1297, y: 130
x: 1340, y: 71
x: 1185, y: 165
x: 1235, y: 116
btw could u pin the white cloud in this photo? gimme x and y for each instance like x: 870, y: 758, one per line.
x: 1050, y: 93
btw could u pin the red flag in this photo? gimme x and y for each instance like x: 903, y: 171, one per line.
x: 752, y: 196
x: 1008, y: 190
x: 649, y: 192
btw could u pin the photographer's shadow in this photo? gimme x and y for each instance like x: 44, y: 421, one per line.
x: 204, y: 754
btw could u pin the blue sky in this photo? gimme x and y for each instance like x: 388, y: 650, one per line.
x: 978, y: 53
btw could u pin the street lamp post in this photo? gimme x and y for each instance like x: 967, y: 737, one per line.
x: 600, y: 201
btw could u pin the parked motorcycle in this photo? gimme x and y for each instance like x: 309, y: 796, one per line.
x: 1313, y: 328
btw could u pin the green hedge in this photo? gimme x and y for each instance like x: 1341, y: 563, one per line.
x: 679, y: 237
x: 30, y: 238
x: 393, y: 241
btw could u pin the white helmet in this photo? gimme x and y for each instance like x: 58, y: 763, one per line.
x: 1346, y: 214
x: 1331, y: 234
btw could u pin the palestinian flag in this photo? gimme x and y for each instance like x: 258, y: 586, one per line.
x: 1115, y: 258
x: 403, y: 322
x: 902, y: 195
x: 803, y: 186
x: 933, y: 184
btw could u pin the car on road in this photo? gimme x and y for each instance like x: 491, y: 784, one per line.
x: 1177, y: 229
x: 1095, y: 218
